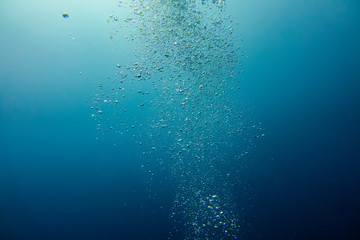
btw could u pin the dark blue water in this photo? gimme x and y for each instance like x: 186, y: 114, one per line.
x: 279, y: 157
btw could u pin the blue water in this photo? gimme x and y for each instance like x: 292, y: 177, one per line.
x: 272, y: 143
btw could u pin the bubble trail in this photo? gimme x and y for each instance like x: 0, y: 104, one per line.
x: 185, y: 120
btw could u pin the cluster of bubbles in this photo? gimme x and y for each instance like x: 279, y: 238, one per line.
x: 177, y: 100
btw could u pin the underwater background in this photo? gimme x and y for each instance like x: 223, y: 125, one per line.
x: 182, y: 119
